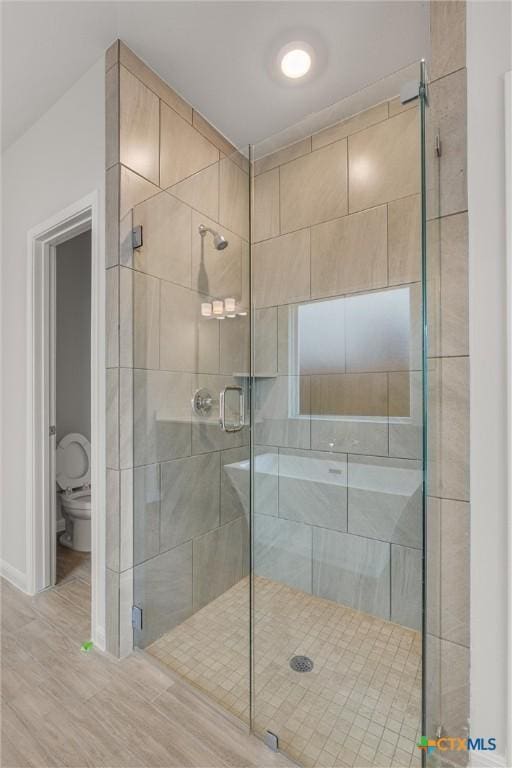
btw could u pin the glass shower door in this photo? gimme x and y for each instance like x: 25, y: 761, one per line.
x: 337, y: 306
x: 190, y: 284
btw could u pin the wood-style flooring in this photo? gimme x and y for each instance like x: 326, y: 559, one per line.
x: 64, y: 707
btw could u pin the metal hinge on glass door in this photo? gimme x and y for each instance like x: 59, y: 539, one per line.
x: 137, y: 236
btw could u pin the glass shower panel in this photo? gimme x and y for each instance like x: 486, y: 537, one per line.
x: 337, y: 307
x: 191, y: 365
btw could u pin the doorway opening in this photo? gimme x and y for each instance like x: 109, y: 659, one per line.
x: 70, y: 393
x: 66, y: 410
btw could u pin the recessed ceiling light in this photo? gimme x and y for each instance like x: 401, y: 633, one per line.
x: 295, y: 60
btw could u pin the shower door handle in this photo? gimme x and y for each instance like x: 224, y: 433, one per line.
x: 237, y: 426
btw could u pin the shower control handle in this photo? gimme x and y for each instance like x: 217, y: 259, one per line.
x: 222, y: 409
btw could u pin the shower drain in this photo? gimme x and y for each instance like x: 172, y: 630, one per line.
x: 301, y: 664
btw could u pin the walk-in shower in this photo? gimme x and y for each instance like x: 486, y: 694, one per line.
x: 278, y: 441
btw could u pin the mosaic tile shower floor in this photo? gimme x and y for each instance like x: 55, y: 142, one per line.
x: 358, y: 708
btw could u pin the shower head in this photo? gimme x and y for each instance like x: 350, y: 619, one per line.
x: 219, y: 241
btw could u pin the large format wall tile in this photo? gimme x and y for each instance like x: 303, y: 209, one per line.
x: 188, y: 341
x: 455, y: 571
x: 433, y: 566
x: 127, y: 529
x: 447, y: 175
x: 234, y: 484
x: 384, y: 161
x: 126, y: 317
x: 352, y: 125
x: 405, y: 391
x: 266, y: 480
x: 153, y: 81
x: 337, y: 248
x: 112, y: 418
x: 352, y: 570
x: 282, y: 411
x: 162, y: 587
x: 385, y: 499
x: 448, y: 310
x: 112, y: 206
x: 183, y: 150
x: 406, y: 586
x: 134, y: 189
x: 448, y: 37
x: 234, y: 198
x: 265, y: 341
x: 432, y: 663
x: 314, y: 187
x: 200, y: 191
x: 281, y: 269
x: 220, y: 560
x: 112, y: 317
x: 235, y: 350
x: 207, y: 434
x: 217, y: 273
x: 112, y: 611
x: 138, y: 127
x: 282, y: 551
x: 448, y: 463
x: 454, y: 687
x: 166, y: 250
x: 285, y: 155
x: 265, y: 215
x: 313, y: 488
x: 146, y: 512
x: 190, y: 498
x: 146, y: 321
x: 366, y: 435
x: 213, y: 136
x: 161, y: 415
x: 404, y: 240
x: 125, y: 418
x: 112, y: 115
x: 125, y: 236
x: 112, y: 499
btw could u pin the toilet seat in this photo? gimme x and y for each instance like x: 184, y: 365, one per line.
x: 73, y: 461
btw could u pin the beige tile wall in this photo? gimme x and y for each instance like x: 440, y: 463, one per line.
x: 342, y: 221
x: 337, y: 216
x: 448, y: 513
x: 168, y: 170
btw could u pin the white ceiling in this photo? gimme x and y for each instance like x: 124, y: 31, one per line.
x: 218, y: 55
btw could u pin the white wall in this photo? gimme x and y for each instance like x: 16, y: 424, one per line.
x: 488, y: 57
x: 73, y: 331
x: 58, y: 161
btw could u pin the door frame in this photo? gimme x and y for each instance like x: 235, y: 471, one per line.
x: 42, y: 240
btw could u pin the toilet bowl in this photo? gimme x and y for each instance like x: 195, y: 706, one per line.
x: 73, y: 462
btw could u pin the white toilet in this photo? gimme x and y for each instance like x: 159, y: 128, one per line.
x: 73, y: 462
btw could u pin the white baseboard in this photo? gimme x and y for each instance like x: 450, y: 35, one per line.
x: 487, y: 760
x: 15, y: 577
